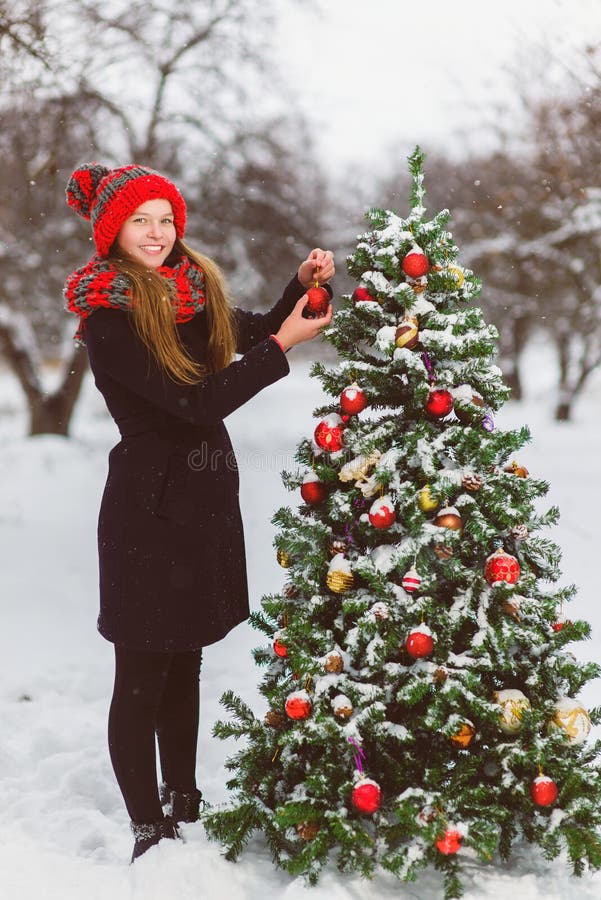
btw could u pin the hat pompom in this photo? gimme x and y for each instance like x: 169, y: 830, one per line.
x: 82, y: 186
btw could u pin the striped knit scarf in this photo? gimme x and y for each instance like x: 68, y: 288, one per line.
x: 99, y: 283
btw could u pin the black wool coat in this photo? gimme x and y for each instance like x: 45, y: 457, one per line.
x: 172, y: 561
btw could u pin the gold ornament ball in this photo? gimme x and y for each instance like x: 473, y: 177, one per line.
x: 513, y: 704
x: 283, y: 558
x: 448, y: 519
x: 340, y: 577
x: 334, y: 663
x: 340, y: 582
x: 425, y: 500
x: 465, y: 734
x: 571, y: 718
x: 468, y: 410
x: 307, y: 830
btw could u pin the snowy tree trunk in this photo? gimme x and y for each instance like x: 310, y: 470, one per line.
x: 514, y: 337
x: 49, y: 413
x: 573, y: 375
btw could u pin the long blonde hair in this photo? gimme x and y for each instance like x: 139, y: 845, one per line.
x: 154, y: 320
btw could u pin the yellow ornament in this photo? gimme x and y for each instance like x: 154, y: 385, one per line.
x: 513, y: 704
x: 407, y: 335
x: 571, y: 718
x: 425, y: 500
x: 283, y: 558
x: 457, y: 274
x: 358, y: 468
x: 340, y: 577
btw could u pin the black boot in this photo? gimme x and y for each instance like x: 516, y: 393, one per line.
x: 147, y: 834
x: 183, y: 806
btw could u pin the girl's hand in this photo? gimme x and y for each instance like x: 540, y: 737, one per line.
x: 318, y: 266
x: 296, y: 329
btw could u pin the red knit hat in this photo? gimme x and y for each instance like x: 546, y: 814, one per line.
x: 109, y: 196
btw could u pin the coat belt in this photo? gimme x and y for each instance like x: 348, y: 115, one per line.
x: 150, y: 421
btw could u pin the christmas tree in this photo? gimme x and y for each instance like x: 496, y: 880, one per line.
x: 421, y: 700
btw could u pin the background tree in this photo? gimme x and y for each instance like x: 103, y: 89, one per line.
x: 177, y: 89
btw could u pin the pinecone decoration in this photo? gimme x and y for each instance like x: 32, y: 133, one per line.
x: 337, y: 546
x: 472, y: 481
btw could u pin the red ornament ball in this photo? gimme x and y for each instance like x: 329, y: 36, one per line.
x: 543, y: 791
x: 362, y: 294
x: 312, y: 489
x: 280, y: 648
x: 367, y: 796
x: 449, y: 842
x: 329, y: 433
x: 439, y: 402
x: 318, y: 301
x: 298, y: 705
x: 415, y: 264
x: 420, y: 642
x: 352, y: 400
x: 501, y: 566
x: 381, y: 513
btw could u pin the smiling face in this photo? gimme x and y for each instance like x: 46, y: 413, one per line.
x: 148, y: 235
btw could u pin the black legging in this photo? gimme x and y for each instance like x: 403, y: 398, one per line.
x: 154, y: 693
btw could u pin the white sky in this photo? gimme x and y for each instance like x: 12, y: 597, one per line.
x: 373, y: 74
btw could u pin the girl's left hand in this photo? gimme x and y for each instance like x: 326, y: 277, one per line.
x: 318, y: 266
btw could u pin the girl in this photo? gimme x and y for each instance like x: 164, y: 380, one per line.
x: 161, y: 336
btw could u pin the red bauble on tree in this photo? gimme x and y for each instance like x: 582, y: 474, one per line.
x: 381, y: 513
x: 361, y: 294
x: 543, y: 791
x: 317, y: 303
x: 560, y: 623
x: 329, y: 433
x: 352, y: 400
x: 415, y: 264
x: 312, y: 489
x: 279, y: 647
x: 439, y: 402
x: 420, y: 642
x: 449, y: 842
x: 367, y: 796
x: 298, y: 705
x: 501, y: 566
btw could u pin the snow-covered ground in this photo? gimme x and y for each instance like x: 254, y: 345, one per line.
x: 63, y: 828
